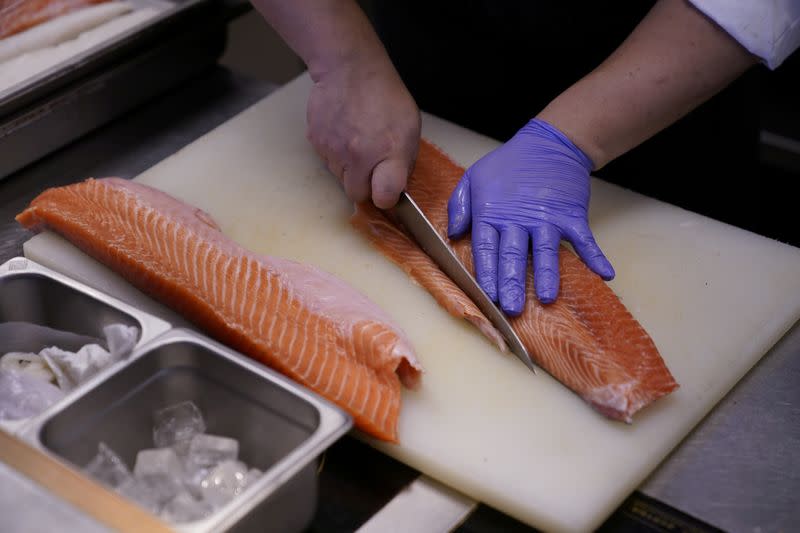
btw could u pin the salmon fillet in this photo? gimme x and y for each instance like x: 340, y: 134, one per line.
x: 587, y: 339
x: 301, y: 321
x: 19, y: 15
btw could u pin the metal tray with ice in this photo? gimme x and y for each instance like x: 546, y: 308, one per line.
x: 194, y: 431
x: 65, y: 336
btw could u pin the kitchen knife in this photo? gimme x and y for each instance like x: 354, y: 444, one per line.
x: 413, y: 219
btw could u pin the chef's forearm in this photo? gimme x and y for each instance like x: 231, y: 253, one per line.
x: 326, y: 34
x: 673, y: 61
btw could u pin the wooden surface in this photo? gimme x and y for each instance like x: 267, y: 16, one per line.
x: 104, y: 506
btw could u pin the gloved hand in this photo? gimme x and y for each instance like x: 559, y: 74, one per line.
x: 535, y: 187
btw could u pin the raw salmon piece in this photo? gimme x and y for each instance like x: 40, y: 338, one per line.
x: 305, y: 323
x: 587, y: 339
x: 19, y: 15
x: 405, y: 253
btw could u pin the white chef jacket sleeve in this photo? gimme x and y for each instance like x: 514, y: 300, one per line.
x: 769, y: 29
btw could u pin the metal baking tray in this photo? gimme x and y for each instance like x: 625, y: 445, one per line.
x: 32, y: 293
x: 51, y: 109
x: 35, y: 86
x: 282, y: 427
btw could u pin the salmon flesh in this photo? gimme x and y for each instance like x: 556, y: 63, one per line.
x: 587, y: 339
x: 299, y: 320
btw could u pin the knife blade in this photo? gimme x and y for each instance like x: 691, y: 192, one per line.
x: 414, y: 220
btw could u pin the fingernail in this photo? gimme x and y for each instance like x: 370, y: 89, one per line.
x: 384, y: 202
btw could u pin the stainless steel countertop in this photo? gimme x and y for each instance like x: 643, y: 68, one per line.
x: 25, y: 506
x: 739, y: 470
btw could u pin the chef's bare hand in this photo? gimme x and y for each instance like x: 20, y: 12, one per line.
x: 366, y: 126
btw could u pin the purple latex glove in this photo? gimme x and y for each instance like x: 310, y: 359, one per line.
x: 533, y: 188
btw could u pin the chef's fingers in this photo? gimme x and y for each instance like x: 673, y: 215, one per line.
x: 333, y: 162
x: 546, y: 240
x: 388, y: 181
x: 512, y: 266
x: 359, y: 161
x: 485, y: 240
x: 459, y: 208
x: 583, y: 241
x: 356, y: 183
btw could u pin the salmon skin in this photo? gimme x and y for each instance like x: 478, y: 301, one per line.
x: 587, y: 339
x: 301, y: 321
x: 19, y: 15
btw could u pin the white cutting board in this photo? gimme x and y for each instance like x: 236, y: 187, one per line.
x: 713, y: 297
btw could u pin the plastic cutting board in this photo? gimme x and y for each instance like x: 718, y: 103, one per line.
x: 713, y: 297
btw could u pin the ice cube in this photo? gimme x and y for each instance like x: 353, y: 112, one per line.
x: 143, y: 494
x: 194, y: 478
x: 206, y: 451
x: 203, y: 454
x: 223, y: 483
x: 184, y: 508
x: 161, y: 470
x: 23, y: 396
x: 157, y: 462
x: 252, y: 476
x: 176, y: 425
x: 107, y: 467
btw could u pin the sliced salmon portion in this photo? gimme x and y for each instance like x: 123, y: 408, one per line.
x: 19, y: 15
x: 587, y: 339
x: 299, y: 320
x: 398, y: 247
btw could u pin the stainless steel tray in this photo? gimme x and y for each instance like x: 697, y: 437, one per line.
x: 282, y: 427
x: 34, y: 86
x: 30, y: 292
x: 49, y: 110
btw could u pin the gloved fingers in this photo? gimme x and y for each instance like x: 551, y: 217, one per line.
x: 485, y: 242
x: 546, y: 240
x: 459, y: 208
x: 512, y: 268
x: 389, y: 178
x: 588, y: 250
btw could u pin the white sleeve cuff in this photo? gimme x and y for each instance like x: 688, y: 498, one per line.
x: 769, y: 29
